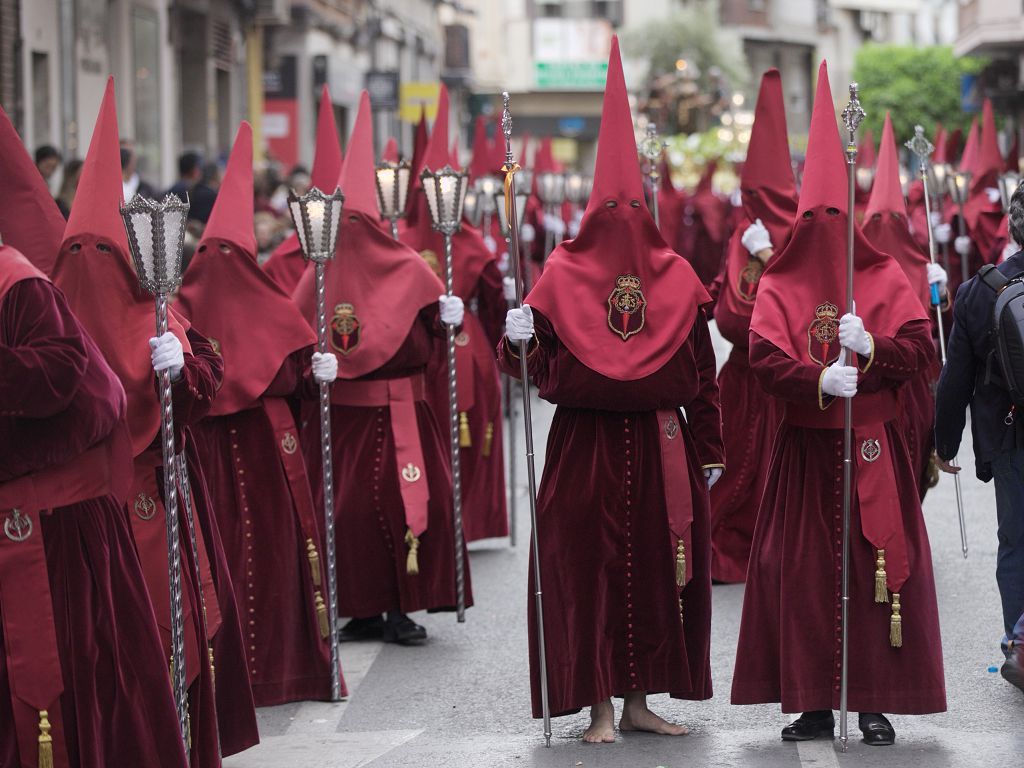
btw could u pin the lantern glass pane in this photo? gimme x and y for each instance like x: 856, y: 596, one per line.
x: 449, y: 190
x: 431, y: 185
x: 386, y: 191
x: 403, y: 178
x: 499, y: 203
x: 141, y: 226
x: 295, y: 208
x: 174, y: 234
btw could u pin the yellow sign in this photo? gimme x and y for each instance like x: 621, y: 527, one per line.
x: 414, y: 98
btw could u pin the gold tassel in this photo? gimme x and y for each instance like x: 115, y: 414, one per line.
x: 45, y: 740
x: 681, y: 564
x: 881, y: 591
x: 321, y: 615
x: 896, y: 623
x: 488, y: 439
x: 465, y: 441
x: 213, y: 669
x: 314, y: 562
x: 680, y: 610
x: 412, y: 561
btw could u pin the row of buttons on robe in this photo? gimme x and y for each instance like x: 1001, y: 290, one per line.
x: 247, y: 525
x: 838, y: 560
x: 628, y: 439
x: 378, y: 461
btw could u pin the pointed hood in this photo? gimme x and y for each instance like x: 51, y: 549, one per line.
x: 437, y: 154
x: 358, y: 173
x: 954, y: 141
x: 866, y: 157
x: 989, y: 164
x: 618, y: 297
x: 94, y: 271
x: 970, y: 156
x: 390, y: 153
x: 224, y: 289
x: 232, y: 216
x: 498, y: 149
x: 767, y: 191
x: 810, y: 272
x: 480, y: 163
x: 885, y: 220
x: 328, y: 157
x: 30, y: 221
x: 984, y: 217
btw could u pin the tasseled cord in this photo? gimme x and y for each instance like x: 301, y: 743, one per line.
x: 488, y: 439
x: 412, y: 560
x: 45, y: 740
x: 680, y: 564
x: 881, y: 591
x: 465, y: 441
x: 896, y: 623
x: 314, y: 562
x: 321, y: 615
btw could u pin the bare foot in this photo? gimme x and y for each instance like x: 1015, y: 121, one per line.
x: 602, y: 724
x: 637, y: 717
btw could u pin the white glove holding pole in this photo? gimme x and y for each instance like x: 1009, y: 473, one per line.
x: 839, y: 380
x: 712, y: 474
x: 943, y: 233
x: 325, y: 367
x: 519, y: 323
x: 167, y: 354
x: 452, y: 309
x: 962, y: 245
x: 853, y: 336
x: 508, y: 288
x: 937, y: 276
x: 756, y: 238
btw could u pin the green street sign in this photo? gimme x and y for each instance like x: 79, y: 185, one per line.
x: 571, y: 75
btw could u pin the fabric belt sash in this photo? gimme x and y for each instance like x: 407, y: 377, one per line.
x: 675, y: 473
x: 400, y: 397
x: 868, y: 409
x: 26, y: 605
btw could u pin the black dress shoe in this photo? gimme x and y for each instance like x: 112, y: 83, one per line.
x: 810, y: 725
x: 1013, y: 672
x: 400, y: 629
x: 358, y: 630
x: 877, y: 730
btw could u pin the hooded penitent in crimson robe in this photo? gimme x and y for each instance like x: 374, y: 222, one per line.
x: 94, y: 272
x: 789, y: 647
x: 621, y: 345
x: 885, y: 227
x: 750, y: 417
x: 286, y: 264
x: 477, y: 282
x: 249, y: 447
x: 72, y: 595
x: 703, y: 236
x: 392, y: 482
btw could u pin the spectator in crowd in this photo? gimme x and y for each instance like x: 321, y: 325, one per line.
x: 204, y: 193
x: 269, y: 234
x: 68, y: 186
x: 968, y: 380
x: 48, y: 160
x: 131, y: 182
x: 190, y: 171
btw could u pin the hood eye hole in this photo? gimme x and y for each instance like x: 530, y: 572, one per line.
x: 103, y: 248
x: 832, y: 211
x: 808, y: 215
x: 353, y: 218
x: 752, y: 192
x: 611, y: 204
x: 202, y: 248
x: 225, y: 248
x: 876, y: 217
x: 635, y: 203
x: 75, y: 247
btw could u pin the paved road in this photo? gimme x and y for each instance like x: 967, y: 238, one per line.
x: 462, y: 700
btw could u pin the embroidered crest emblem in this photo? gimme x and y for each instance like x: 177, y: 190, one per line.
x: 17, y: 527
x: 432, y: 261
x: 462, y: 339
x: 870, y: 450
x: 216, y: 346
x: 145, y: 507
x: 671, y: 429
x: 626, y: 307
x: 822, y: 334
x: 411, y: 473
x: 750, y: 276
x: 346, y: 330
x: 288, y: 443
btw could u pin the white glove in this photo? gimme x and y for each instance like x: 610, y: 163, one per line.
x: 491, y: 244
x: 554, y: 224
x: 962, y: 245
x: 853, y: 336
x: 167, y: 355
x: 736, y: 198
x: 527, y: 233
x: 519, y: 323
x: 325, y: 367
x: 943, y: 232
x: 993, y: 195
x: 935, y: 219
x: 574, y: 228
x: 508, y: 287
x: 452, y: 309
x: 839, y: 380
x: 711, y: 475
x: 937, y: 274
x: 756, y: 238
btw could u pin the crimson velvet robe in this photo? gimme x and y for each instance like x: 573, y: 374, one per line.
x: 789, y: 647
x: 750, y: 419
x: 369, y: 511
x: 611, y: 604
x: 116, y: 708
x: 484, y: 513
x: 257, y: 504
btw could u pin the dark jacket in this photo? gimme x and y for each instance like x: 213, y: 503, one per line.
x: 967, y: 379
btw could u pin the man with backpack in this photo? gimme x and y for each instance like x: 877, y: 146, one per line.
x: 986, y: 372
